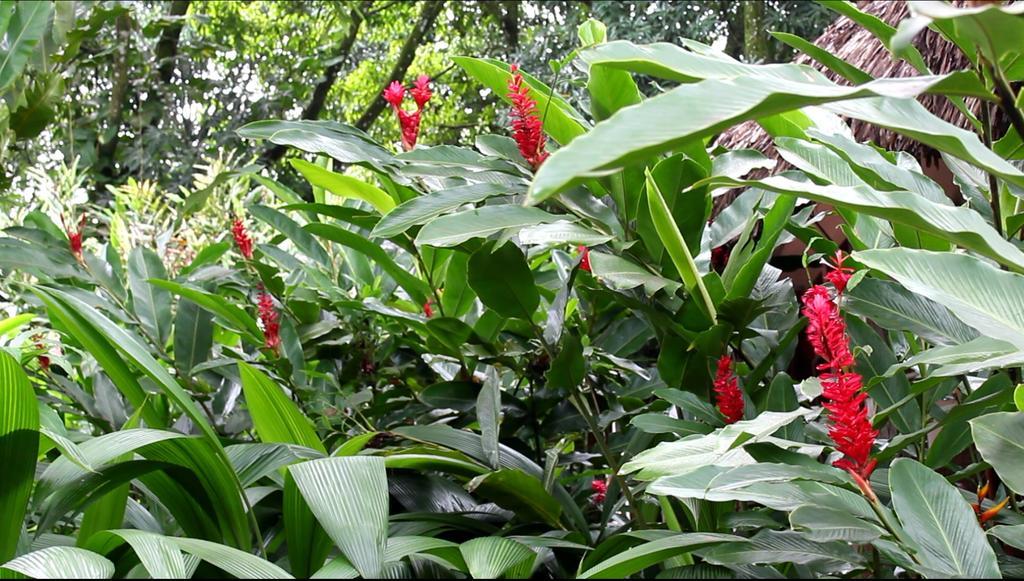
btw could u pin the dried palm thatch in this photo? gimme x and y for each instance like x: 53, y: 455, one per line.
x: 849, y: 41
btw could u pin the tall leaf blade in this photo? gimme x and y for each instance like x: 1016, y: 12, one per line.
x: 349, y: 496
x: 19, y: 443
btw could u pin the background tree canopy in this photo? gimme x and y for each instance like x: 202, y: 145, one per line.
x: 149, y: 90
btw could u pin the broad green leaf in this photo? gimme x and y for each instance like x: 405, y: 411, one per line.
x: 938, y: 521
x: 767, y: 547
x: 349, y: 496
x: 458, y: 297
x: 495, y: 557
x: 1000, y: 440
x: 274, y: 415
x: 152, y: 304
x: 892, y: 307
x: 1011, y: 535
x: 26, y: 27
x: 235, y: 562
x: 337, y: 568
x: 640, y: 557
x: 488, y: 415
x: 519, y: 492
x: 956, y: 224
x: 561, y: 233
x: 19, y: 443
x: 342, y: 142
x: 423, y: 209
x: 503, y: 281
x: 622, y: 274
x: 561, y: 122
x: 979, y: 294
x: 873, y: 360
x: 290, y: 228
x: 454, y: 229
x: 416, y: 288
x: 11, y: 324
x: 62, y: 563
x: 822, y: 524
x: 635, y: 132
x: 159, y: 554
x: 848, y: 71
x: 193, y: 336
x: 344, y: 186
x: 239, y: 319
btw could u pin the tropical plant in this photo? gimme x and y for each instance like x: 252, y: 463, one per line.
x: 546, y: 355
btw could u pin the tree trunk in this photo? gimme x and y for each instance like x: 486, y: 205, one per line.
x: 733, y: 17
x: 167, y: 46
x: 755, y: 37
x: 425, y: 23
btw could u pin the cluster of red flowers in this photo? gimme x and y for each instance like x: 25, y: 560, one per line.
x: 850, y: 428
x: 409, y: 120
x: 728, y: 395
x: 600, y: 488
x: 584, y: 258
x: 271, y: 326
x: 527, y: 128
x: 428, y: 307
x: 75, y: 237
x: 242, y: 239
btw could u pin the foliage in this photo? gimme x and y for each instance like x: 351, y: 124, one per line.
x: 457, y: 361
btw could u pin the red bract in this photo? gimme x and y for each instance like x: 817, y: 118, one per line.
x: 600, y: 488
x: 839, y: 275
x: 584, y: 258
x: 849, y: 426
x: 271, y: 326
x: 728, y: 395
x: 409, y: 120
x: 242, y: 239
x: 527, y: 128
x: 428, y: 310
x: 421, y: 91
x: 75, y: 237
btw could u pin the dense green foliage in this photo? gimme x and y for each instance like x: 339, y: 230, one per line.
x: 282, y: 347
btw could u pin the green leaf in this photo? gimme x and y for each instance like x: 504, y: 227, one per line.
x: 344, y: 186
x: 622, y: 274
x: 496, y: 557
x: 637, y: 132
x: 979, y: 294
x: 458, y: 297
x: 274, y: 415
x: 416, y: 288
x: 349, y: 496
x: 240, y: 320
x: 25, y: 29
x: 342, y: 142
x: 892, y: 307
x: 62, y: 563
x: 767, y: 547
x: 19, y: 443
x: 454, y: 229
x: 1000, y: 440
x: 425, y: 208
x: 290, y: 228
x: 874, y: 363
x: 152, y: 305
x: 561, y: 232
x: 159, y: 554
x: 822, y: 524
x: 642, y: 556
x: 561, y: 122
x: 193, y: 336
x: 488, y: 414
x: 846, y: 70
x: 519, y: 492
x: 241, y: 564
x: 939, y: 523
x: 676, y: 247
x: 503, y: 281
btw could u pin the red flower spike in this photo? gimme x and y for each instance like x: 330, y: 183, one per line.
x: 849, y: 426
x: 839, y: 275
x: 728, y: 395
x: 242, y: 239
x: 271, y: 326
x: 394, y: 94
x: 421, y: 91
x: 75, y: 237
x: 600, y: 488
x: 527, y: 128
x: 428, y: 310
x: 584, y: 258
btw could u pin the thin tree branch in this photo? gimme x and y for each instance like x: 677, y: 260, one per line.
x: 425, y: 23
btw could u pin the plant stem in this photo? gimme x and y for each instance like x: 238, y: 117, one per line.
x: 993, y: 185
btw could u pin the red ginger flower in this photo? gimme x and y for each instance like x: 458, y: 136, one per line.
x: 584, y: 258
x: 242, y: 239
x: 409, y: 120
x: 271, y: 326
x: 728, y: 395
x: 840, y: 275
x: 75, y: 237
x: 600, y: 488
x: 850, y: 428
x: 428, y: 309
x: 527, y: 128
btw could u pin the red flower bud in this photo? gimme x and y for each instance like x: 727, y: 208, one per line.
x: 75, y: 237
x: 728, y: 395
x: 421, y: 91
x: 584, y: 258
x: 527, y: 128
x: 269, y: 318
x: 600, y: 488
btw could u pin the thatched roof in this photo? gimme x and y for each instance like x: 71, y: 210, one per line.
x: 849, y: 41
